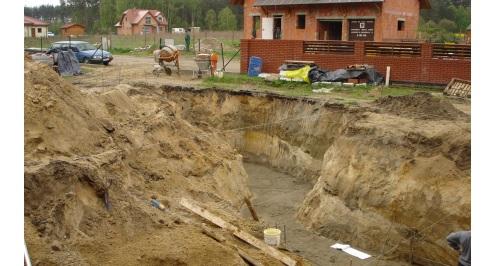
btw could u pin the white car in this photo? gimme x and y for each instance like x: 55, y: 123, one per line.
x: 178, y: 30
x: 50, y: 34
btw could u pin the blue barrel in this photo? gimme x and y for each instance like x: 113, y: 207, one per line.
x: 254, y: 66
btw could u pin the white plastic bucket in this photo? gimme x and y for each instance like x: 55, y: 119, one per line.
x: 272, y: 237
x: 219, y: 74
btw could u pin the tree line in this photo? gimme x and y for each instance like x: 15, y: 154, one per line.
x: 441, y: 23
x: 446, y: 20
x: 100, y: 16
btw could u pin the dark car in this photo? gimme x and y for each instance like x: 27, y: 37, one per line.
x: 85, y: 52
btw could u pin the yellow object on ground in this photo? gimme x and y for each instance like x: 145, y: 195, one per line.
x: 297, y: 75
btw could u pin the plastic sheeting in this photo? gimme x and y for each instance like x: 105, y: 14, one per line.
x: 296, y: 75
x: 68, y: 64
x: 318, y: 75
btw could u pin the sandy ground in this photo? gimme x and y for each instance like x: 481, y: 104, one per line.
x: 186, y: 62
x: 277, y: 197
x: 115, y: 129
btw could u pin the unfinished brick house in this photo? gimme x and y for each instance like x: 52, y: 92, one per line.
x: 346, y: 20
x: 139, y: 21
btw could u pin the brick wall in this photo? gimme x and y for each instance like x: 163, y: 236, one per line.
x: 385, y: 14
x: 418, y: 69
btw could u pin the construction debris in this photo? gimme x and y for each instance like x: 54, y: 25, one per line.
x: 157, y: 204
x: 210, y: 233
x: 351, y: 251
x: 252, y: 210
x: 458, y: 87
x: 195, y: 208
x: 248, y: 258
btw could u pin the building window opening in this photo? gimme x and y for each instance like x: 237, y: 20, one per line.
x: 300, y: 21
x: 256, y: 26
x: 39, y: 30
x: 148, y: 20
x: 400, y: 25
x: 330, y: 30
x: 277, y: 27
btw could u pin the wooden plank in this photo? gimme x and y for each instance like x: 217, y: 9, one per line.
x: 195, y: 208
x: 248, y: 258
x: 296, y: 62
x: 210, y: 233
x: 206, y: 214
x: 250, y: 206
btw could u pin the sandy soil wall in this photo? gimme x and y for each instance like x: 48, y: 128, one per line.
x: 392, y: 177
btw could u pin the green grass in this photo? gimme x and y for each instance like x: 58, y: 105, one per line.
x: 345, y: 94
x: 241, y: 81
x: 230, y: 41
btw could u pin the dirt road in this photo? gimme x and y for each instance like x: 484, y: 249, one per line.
x: 186, y: 62
x: 277, y: 197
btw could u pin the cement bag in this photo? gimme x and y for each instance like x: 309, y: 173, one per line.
x: 296, y: 75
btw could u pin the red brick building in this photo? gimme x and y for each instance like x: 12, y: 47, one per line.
x: 139, y: 21
x: 346, y: 20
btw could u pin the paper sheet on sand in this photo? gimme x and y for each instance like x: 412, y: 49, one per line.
x: 351, y: 251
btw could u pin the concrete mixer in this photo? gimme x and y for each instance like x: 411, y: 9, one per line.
x: 167, y: 54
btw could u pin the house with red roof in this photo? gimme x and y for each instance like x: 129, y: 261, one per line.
x: 34, y: 27
x: 139, y: 21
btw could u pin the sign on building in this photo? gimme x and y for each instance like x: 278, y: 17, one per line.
x: 361, y: 29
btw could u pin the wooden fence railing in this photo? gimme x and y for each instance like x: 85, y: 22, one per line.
x: 328, y: 47
x: 392, y: 49
x: 453, y: 51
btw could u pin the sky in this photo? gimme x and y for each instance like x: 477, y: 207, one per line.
x: 41, y: 2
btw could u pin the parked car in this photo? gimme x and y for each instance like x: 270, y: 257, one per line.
x: 85, y: 52
x: 50, y: 34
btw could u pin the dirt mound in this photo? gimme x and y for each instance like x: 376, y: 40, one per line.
x: 420, y: 105
x: 92, y: 163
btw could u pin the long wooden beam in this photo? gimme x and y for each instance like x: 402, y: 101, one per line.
x: 195, y: 208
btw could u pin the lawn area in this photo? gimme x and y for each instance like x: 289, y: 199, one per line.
x: 126, y: 44
x: 345, y: 94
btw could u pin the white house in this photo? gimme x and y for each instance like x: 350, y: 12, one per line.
x: 35, y: 27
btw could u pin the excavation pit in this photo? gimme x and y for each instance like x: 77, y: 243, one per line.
x: 383, y: 177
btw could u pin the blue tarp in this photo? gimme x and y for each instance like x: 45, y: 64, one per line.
x: 68, y: 65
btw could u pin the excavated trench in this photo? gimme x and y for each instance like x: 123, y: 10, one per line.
x: 391, y: 178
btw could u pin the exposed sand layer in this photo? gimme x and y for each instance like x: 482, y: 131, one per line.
x: 391, y: 177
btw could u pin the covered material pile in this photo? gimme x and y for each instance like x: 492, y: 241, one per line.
x: 313, y: 73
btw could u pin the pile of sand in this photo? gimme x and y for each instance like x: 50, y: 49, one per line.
x: 92, y: 163
x: 420, y: 105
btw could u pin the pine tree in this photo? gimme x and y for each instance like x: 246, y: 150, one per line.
x: 227, y: 20
x: 107, y: 15
x: 210, y: 19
